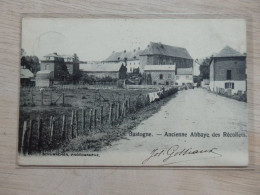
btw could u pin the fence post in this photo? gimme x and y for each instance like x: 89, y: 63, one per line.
x: 23, y: 134
x: 83, y: 119
x: 126, y: 106
x: 77, y: 123
x: 123, y: 109
x: 129, y: 105
x: 101, y: 115
x: 32, y: 97
x: 51, y: 97
x: 117, y: 111
x: 90, y: 119
x: 29, y: 140
x: 63, y: 130
x: 95, y: 118
x: 39, y: 132
x: 42, y: 98
x: 63, y: 99
x: 51, y: 126
x: 71, y: 124
x: 110, y: 114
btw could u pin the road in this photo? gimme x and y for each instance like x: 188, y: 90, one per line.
x: 190, y: 111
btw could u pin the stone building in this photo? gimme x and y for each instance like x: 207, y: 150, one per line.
x: 130, y: 58
x: 184, y: 75
x: 161, y: 54
x: 228, y: 71
x: 112, y: 70
x: 159, y: 74
x: 56, y: 64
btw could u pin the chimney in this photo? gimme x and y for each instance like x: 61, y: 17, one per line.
x: 124, y: 51
x: 55, y: 53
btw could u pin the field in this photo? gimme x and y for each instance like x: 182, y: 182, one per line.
x: 56, y: 116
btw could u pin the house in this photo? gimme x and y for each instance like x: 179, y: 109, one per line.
x: 228, y: 71
x: 184, y: 75
x: 72, y: 64
x: 44, y: 78
x: 159, y: 74
x: 112, y: 70
x: 26, y: 77
x: 162, y: 54
x: 130, y: 58
x: 54, y: 62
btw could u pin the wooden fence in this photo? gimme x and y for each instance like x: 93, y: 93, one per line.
x: 44, y: 134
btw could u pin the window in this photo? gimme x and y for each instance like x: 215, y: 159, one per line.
x: 154, y: 82
x: 229, y: 85
x: 169, y: 76
x: 177, y: 77
x: 167, y: 83
x: 228, y: 74
x: 161, y: 76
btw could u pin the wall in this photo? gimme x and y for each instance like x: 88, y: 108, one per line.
x: 180, y: 79
x: 155, y: 75
x: 161, y: 60
x: 236, y: 65
x: 133, y: 64
x: 238, y: 85
x: 101, y: 74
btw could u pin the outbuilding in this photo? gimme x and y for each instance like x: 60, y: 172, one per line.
x: 159, y: 74
x: 103, y: 70
x: 228, y: 71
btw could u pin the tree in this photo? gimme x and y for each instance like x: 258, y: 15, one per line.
x: 31, y: 62
x: 204, y: 68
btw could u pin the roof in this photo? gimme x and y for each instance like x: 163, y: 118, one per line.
x: 107, y: 67
x: 166, y: 50
x: 121, y: 56
x: 53, y: 55
x: 26, y: 74
x: 159, y: 67
x: 184, y: 71
x: 228, y: 52
x: 44, y: 74
x: 67, y: 56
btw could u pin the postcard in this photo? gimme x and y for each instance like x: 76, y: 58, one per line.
x: 133, y: 92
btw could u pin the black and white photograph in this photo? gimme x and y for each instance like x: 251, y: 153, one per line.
x: 133, y: 92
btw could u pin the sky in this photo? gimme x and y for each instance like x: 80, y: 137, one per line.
x: 96, y: 39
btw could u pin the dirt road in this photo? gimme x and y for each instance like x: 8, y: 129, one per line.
x: 199, y: 114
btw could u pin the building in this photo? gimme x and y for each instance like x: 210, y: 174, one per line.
x: 159, y: 74
x: 26, y: 77
x: 44, y: 78
x: 56, y: 64
x: 228, y: 71
x: 130, y: 58
x: 161, y: 54
x: 112, y: 70
x: 184, y: 75
x: 72, y: 64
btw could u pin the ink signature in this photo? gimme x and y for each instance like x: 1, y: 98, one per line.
x: 168, y: 155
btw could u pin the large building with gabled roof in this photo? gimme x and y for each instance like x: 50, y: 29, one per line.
x: 131, y: 59
x: 228, y: 71
x: 162, y: 54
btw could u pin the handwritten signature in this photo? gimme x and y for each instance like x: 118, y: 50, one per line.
x: 168, y: 155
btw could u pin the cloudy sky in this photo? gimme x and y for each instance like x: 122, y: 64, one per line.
x: 96, y: 39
